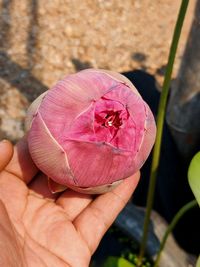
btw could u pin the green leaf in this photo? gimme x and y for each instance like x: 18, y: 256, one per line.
x: 194, y: 176
x: 117, y: 262
x: 198, y: 262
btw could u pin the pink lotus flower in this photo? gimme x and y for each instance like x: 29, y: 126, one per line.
x: 90, y: 131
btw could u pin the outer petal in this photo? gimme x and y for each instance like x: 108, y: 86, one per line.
x: 97, y: 189
x: 82, y: 128
x: 47, y: 154
x: 98, y: 164
x: 33, y: 109
x: 118, y: 77
x: 122, y: 93
x: 55, y: 187
x: 148, y: 139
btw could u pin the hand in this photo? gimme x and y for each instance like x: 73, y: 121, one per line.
x: 38, y: 228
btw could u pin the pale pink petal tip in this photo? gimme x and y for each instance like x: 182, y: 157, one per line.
x: 55, y: 187
x: 101, y: 189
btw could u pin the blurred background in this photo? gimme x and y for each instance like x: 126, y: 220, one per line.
x: 42, y: 41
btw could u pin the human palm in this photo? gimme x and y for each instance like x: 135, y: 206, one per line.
x: 38, y: 228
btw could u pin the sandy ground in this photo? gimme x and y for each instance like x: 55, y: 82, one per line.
x: 42, y: 41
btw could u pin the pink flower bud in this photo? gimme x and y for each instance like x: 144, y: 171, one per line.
x: 90, y: 131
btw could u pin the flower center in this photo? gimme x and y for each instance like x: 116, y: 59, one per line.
x: 112, y: 119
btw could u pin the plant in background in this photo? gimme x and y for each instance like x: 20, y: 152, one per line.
x: 194, y: 176
x: 90, y: 131
x: 194, y: 170
x: 194, y: 181
x: 160, y: 123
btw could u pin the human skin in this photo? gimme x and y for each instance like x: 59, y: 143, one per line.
x: 38, y: 228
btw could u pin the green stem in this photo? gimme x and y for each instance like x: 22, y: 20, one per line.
x: 160, y: 122
x: 171, y: 226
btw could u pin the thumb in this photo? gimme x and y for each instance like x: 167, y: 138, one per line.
x: 6, y: 152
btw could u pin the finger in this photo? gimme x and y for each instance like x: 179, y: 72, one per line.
x: 40, y: 185
x: 95, y: 220
x: 73, y: 203
x: 21, y: 164
x: 6, y: 152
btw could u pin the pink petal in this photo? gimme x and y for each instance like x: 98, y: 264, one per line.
x: 33, y: 109
x: 47, y: 154
x: 97, y: 164
x: 128, y: 136
x: 82, y: 127
x: 116, y: 76
x: 71, y: 97
x: 147, y: 140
